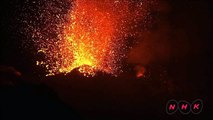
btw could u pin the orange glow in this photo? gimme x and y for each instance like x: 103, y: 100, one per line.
x: 88, y: 38
x: 140, y: 72
x: 92, y: 38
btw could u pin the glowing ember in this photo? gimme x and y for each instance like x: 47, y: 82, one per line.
x: 140, y: 71
x: 90, y: 36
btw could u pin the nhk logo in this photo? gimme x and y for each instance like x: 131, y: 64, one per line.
x: 184, y: 106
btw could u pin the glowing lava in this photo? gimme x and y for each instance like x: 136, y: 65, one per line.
x: 88, y: 40
x: 91, y: 37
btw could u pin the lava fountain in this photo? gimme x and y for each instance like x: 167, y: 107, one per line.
x: 90, y: 37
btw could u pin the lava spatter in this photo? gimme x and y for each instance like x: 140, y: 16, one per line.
x: 90, y: 36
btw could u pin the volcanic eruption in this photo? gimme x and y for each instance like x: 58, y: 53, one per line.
x: 89, y: 35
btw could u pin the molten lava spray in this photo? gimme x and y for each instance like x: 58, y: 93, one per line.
x: 90, y: 36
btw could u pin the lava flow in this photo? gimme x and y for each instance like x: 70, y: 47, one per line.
x: 91, y: 38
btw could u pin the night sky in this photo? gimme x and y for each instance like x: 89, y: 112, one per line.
x: 174, y: 49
